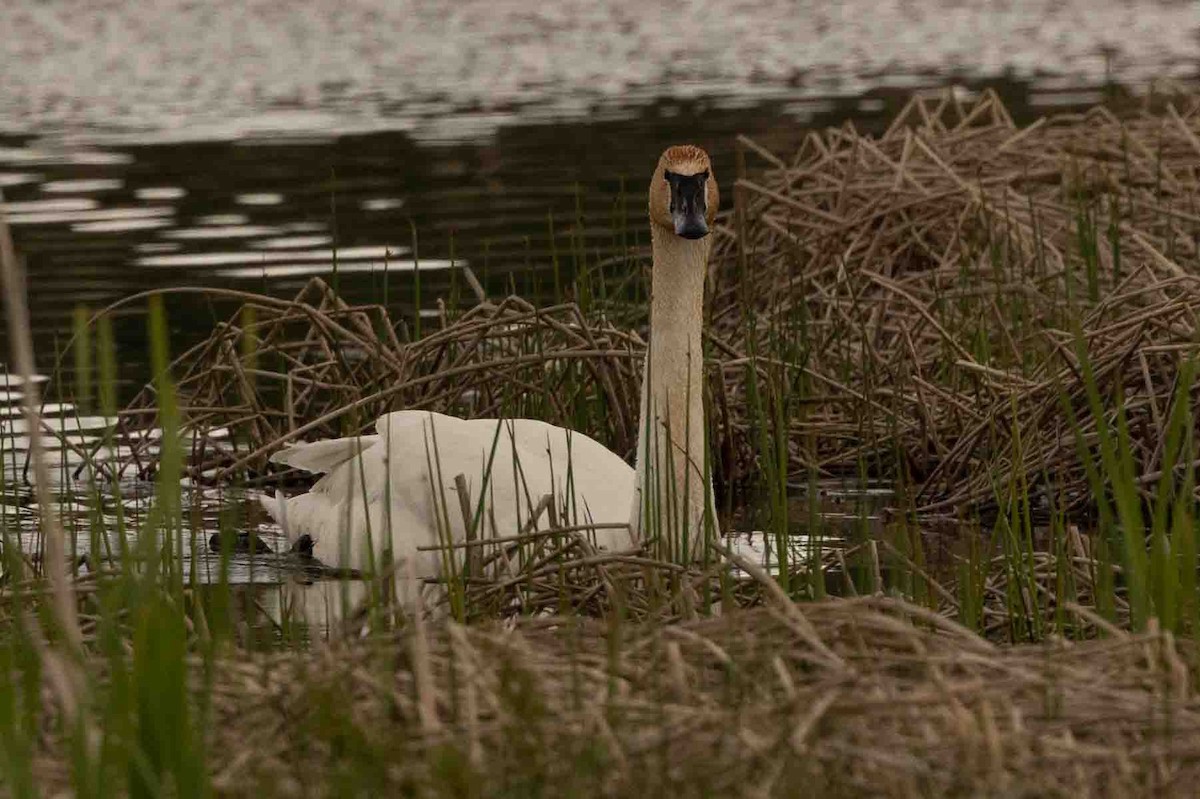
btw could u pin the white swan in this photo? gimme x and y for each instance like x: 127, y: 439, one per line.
x: 398, y: 485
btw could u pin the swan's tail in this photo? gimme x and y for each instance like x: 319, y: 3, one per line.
x: 322, y: 457
x: 276, y: 507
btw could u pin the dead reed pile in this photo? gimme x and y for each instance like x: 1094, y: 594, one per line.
x: 314, y: 367
x: 865, y: 697
x: 933, y: 281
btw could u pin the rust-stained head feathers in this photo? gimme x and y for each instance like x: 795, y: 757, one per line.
x: 683, y: 192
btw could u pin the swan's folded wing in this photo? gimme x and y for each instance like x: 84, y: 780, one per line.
x: 411, y: 427
x: 321, y: 457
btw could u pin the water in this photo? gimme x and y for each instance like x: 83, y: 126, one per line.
x: 99, y: 224
x: 84, y: 502
x: 237, y: 145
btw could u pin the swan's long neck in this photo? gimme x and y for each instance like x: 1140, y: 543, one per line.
x: 672, y: 429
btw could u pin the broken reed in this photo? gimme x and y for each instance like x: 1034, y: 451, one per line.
x: 565, y: 704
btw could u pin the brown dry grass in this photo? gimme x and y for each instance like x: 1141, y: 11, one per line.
x: 900, y: 704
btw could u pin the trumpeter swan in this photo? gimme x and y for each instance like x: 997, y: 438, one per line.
x: 397, y: 486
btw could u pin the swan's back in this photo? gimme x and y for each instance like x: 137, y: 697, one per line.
x: 399, y: 486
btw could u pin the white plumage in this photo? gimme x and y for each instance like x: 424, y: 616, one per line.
x: 398, y: 487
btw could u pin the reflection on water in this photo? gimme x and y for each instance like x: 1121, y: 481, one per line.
x: 179, y: 70
x: 98, y: 225
x: 93, y: 510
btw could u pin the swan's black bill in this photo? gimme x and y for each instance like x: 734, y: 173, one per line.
x: 689, y: 203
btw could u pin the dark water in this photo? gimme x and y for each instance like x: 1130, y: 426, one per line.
x: 97, y: 225
x: 265, y: 215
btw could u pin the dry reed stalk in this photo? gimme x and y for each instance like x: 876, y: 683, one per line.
x: 67, y: 678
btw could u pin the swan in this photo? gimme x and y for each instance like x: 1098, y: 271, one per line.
x: 397, y: 486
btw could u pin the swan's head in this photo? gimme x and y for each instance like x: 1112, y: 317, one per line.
x: 683, y: 192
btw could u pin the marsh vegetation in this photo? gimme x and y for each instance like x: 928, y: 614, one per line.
x: 998, y: 324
